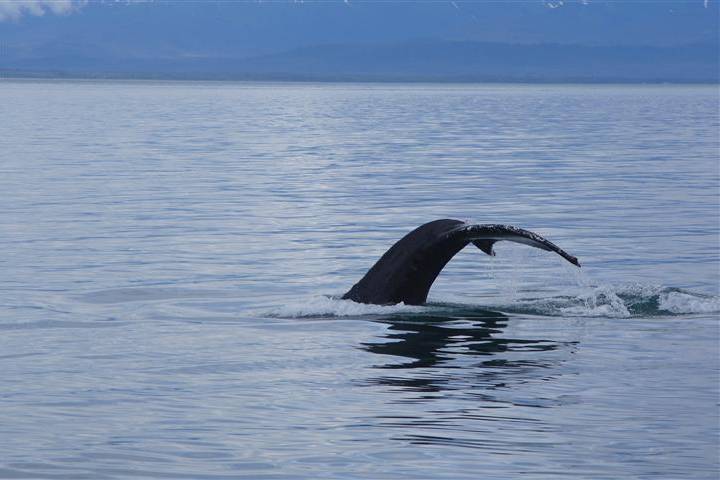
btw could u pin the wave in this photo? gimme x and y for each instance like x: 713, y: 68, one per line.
x: 624, y: 301
x: 621, y: 301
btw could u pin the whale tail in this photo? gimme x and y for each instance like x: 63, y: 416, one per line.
x: 408, y: 269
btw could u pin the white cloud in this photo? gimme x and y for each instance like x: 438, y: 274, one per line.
x: 14, y: 9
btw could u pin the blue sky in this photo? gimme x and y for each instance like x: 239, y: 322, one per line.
x: 268, y: 26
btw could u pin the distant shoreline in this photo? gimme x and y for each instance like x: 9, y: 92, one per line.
x: 30, y: 75
x: 404, y: 62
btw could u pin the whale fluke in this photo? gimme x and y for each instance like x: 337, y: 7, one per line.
x: 408, y: 269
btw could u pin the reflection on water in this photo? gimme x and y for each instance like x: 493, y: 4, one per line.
x: 467, y: 353
x: 430, y: 340
x: 471, y: 376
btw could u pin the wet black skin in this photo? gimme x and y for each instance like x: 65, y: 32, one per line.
x: 408, y: 269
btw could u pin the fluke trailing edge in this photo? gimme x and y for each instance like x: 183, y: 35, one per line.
x: 406, y: 272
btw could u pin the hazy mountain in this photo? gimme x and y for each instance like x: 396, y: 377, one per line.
x: 467, y: 61
x: 408, y: 61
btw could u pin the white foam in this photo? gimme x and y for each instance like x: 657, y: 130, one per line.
x: 615, y: 301
x: 601, y: 301
x: 609, y: 301
x: 623, y: 301
x: 324, y: 306
x: 612, y: 307
x: 682, y: 302
x: 639, y: 290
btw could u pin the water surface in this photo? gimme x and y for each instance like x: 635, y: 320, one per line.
x: 171, y: 254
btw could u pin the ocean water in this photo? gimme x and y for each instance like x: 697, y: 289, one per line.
x: 172, y: 254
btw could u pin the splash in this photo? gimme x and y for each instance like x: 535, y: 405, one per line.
x: 602, y: 301
x: 678, y: 301
x: 605, y: 301
x: 327, y: 306
x: 621, y: 301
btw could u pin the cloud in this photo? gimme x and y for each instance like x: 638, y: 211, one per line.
x: 562, y: 3
x: 14, y: 9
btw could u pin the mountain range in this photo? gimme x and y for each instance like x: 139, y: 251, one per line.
x: 448, y: 61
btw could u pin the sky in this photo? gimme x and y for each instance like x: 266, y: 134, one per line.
x: 61, y: 30
x: 260, y: 26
